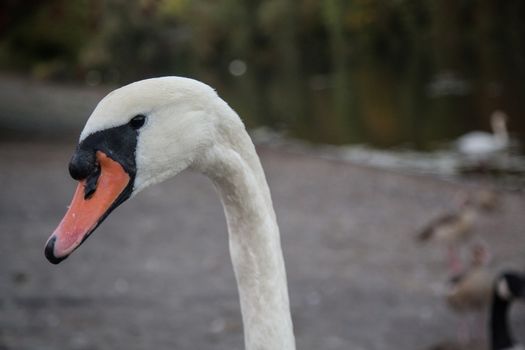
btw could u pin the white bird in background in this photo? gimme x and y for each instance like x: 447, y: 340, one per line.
x: 479, y: 144
x: 151, y: 130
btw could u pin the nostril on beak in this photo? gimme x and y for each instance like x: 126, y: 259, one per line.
x: 91, y: 183
x: 50, y: 251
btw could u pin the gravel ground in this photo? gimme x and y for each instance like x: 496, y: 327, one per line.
x: 157, y: 275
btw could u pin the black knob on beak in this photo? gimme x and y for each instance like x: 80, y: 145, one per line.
x: 82, y: 164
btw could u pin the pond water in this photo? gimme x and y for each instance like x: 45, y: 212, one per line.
x: 407, y: 118
x: 377, y: 107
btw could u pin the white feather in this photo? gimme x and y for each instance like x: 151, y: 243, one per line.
x: 188, y: 125
x: 480, y: 144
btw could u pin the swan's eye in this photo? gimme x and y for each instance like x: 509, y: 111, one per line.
x: 137, y: 121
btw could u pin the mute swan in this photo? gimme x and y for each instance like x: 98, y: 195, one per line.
x: 480, y: 144
x: 148, y: 131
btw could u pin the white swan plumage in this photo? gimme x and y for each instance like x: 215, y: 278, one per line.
x: 481, y: 144
x: 151, y: 130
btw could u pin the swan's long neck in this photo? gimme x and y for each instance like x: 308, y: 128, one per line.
x: 254, y: 240
x: 501, y: 337
x: 500, y: 131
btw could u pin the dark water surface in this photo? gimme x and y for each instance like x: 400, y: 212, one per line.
x: 383, y: 107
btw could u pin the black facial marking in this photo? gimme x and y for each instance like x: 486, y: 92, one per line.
x: 118, y: 143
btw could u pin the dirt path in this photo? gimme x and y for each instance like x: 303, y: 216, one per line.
x: 157, y: 275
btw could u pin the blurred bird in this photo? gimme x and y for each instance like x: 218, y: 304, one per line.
x: 472, y: 288
x: 504, y: 289
x: 480, y: 144
x: 508, y: 287
x: 486, y: 199
x: 470, y: 292
x: 452, y: 229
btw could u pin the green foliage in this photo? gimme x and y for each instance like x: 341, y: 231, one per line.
x: 48, y: 38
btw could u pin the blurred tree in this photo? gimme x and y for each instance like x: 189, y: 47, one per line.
x: 45, y: 37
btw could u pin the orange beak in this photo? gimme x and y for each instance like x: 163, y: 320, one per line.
x: 85, y: 214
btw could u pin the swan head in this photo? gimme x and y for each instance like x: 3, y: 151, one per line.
x: 138, y: 135
x: 510, y: 285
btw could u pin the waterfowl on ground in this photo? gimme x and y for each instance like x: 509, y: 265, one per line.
x: 469, y: 295
x: 151, y: 130
x: 471, y: 289
x: 506, y: 288
x: 451, y: 230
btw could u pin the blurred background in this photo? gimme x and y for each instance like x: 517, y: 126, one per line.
x: 401, y: 73
x: 387, y: 84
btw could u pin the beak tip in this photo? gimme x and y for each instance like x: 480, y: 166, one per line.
x: 50, y: 252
